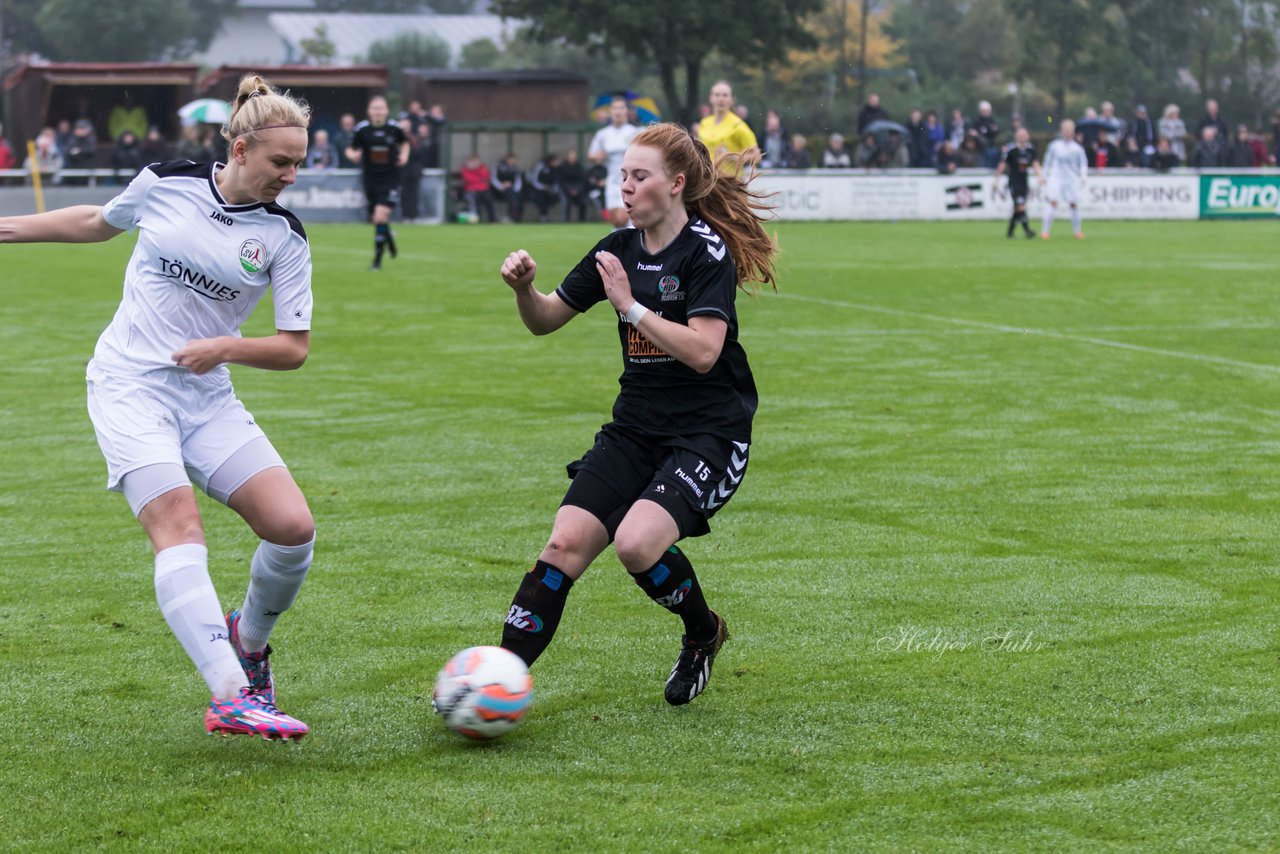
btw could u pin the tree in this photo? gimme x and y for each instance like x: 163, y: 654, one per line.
x: 207, y: 19
x: 674, y: 35
x: 319, y: 48
x: 836, y: 31
x: 386, y: 7
x: 944, y: 41
x: 114, y: 30
x: 409, y: 50
x: 21, y: 33
x: 522, y: 50
x: 452, y: 7
x: 481, y: 53
x: 1065, y: 41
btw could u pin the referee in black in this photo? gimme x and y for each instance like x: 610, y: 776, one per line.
x: 381, y: 149
x: 1019, y: 160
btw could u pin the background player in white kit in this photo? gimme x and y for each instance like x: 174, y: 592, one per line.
x: 607, y: 147
x: 211, y: 240
x: 1065, y: 168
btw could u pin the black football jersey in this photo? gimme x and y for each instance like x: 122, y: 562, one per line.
x: 693, y: 275
x: 379, y: 148
x: 1018, y: 161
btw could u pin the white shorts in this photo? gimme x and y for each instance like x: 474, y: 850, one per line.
x: 613, y: 195
x: 168, y: 416
x: 1063, y: 191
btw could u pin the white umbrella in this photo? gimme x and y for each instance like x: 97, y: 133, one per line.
x: 206, y: 111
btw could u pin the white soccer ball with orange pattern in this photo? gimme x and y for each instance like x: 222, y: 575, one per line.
x: 483, y: 692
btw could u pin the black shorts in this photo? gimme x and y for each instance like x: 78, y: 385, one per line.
x: 1019, y: 194
x: 691, y: 478
x: 382, y: 191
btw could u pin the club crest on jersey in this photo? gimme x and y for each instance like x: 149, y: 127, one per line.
x: 253, y: 255
x: 670, y: 288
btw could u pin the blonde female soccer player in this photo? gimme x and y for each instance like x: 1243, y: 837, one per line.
x: 1065, y: 170
x: 723, y: 131
x: 676, y: 448
x: 211, y: 240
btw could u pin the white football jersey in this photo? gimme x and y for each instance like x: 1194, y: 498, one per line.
x: 613, y: 141
x: 1065, y: 161
x: 199, y: 267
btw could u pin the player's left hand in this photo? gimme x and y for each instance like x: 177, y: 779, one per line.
x: 200, y: 356
x: 617, y: 287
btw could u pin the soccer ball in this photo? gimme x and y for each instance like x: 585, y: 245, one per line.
x: 483, y: 692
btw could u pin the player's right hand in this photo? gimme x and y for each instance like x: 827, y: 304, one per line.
x: 518, y: 269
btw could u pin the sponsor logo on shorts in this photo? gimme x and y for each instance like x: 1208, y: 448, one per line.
x: 693, y: 484
x: 525, y: 621
x: 253, y: 255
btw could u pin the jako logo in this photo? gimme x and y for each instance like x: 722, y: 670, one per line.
x: 675, y: 597
x: 253, y: 255
x: 219, y: 216
x: 525, y: 621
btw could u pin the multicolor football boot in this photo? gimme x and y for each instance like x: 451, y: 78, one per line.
x: 252, y: 714
x: 256, y: 665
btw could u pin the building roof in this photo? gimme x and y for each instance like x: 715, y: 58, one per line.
x: 284, y: 76
x: 107, y: 73
x: 352, y: 33
x: 524, y: 75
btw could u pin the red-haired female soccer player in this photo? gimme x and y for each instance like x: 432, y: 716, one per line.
x: 676, y: 448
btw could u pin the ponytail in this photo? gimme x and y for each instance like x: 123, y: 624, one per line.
x: 717, y: 193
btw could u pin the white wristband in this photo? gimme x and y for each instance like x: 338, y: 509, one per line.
x: 636, y: 313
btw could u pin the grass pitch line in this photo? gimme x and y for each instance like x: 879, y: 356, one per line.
x: 1043, y: 333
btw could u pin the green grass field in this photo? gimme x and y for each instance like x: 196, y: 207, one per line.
x: 1002, y: 576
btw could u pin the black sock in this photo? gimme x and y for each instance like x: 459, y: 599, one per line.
x: 535, y: 611
x: 1026, y: 223
x: 380, y: 237
x: 1013, y: 222
x: 672, y: 583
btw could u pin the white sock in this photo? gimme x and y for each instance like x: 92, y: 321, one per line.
x: 1048, y: 219
x: 1075, y: 220
x: 187, y: 599
x: 275, y: 576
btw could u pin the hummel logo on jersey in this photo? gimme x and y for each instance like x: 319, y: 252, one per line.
x: 715, y: 248
x: 197, y: 281
x: 732, y: 477
x: 525, y: 621
x: 652, y: 268
x: 219, y: 216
